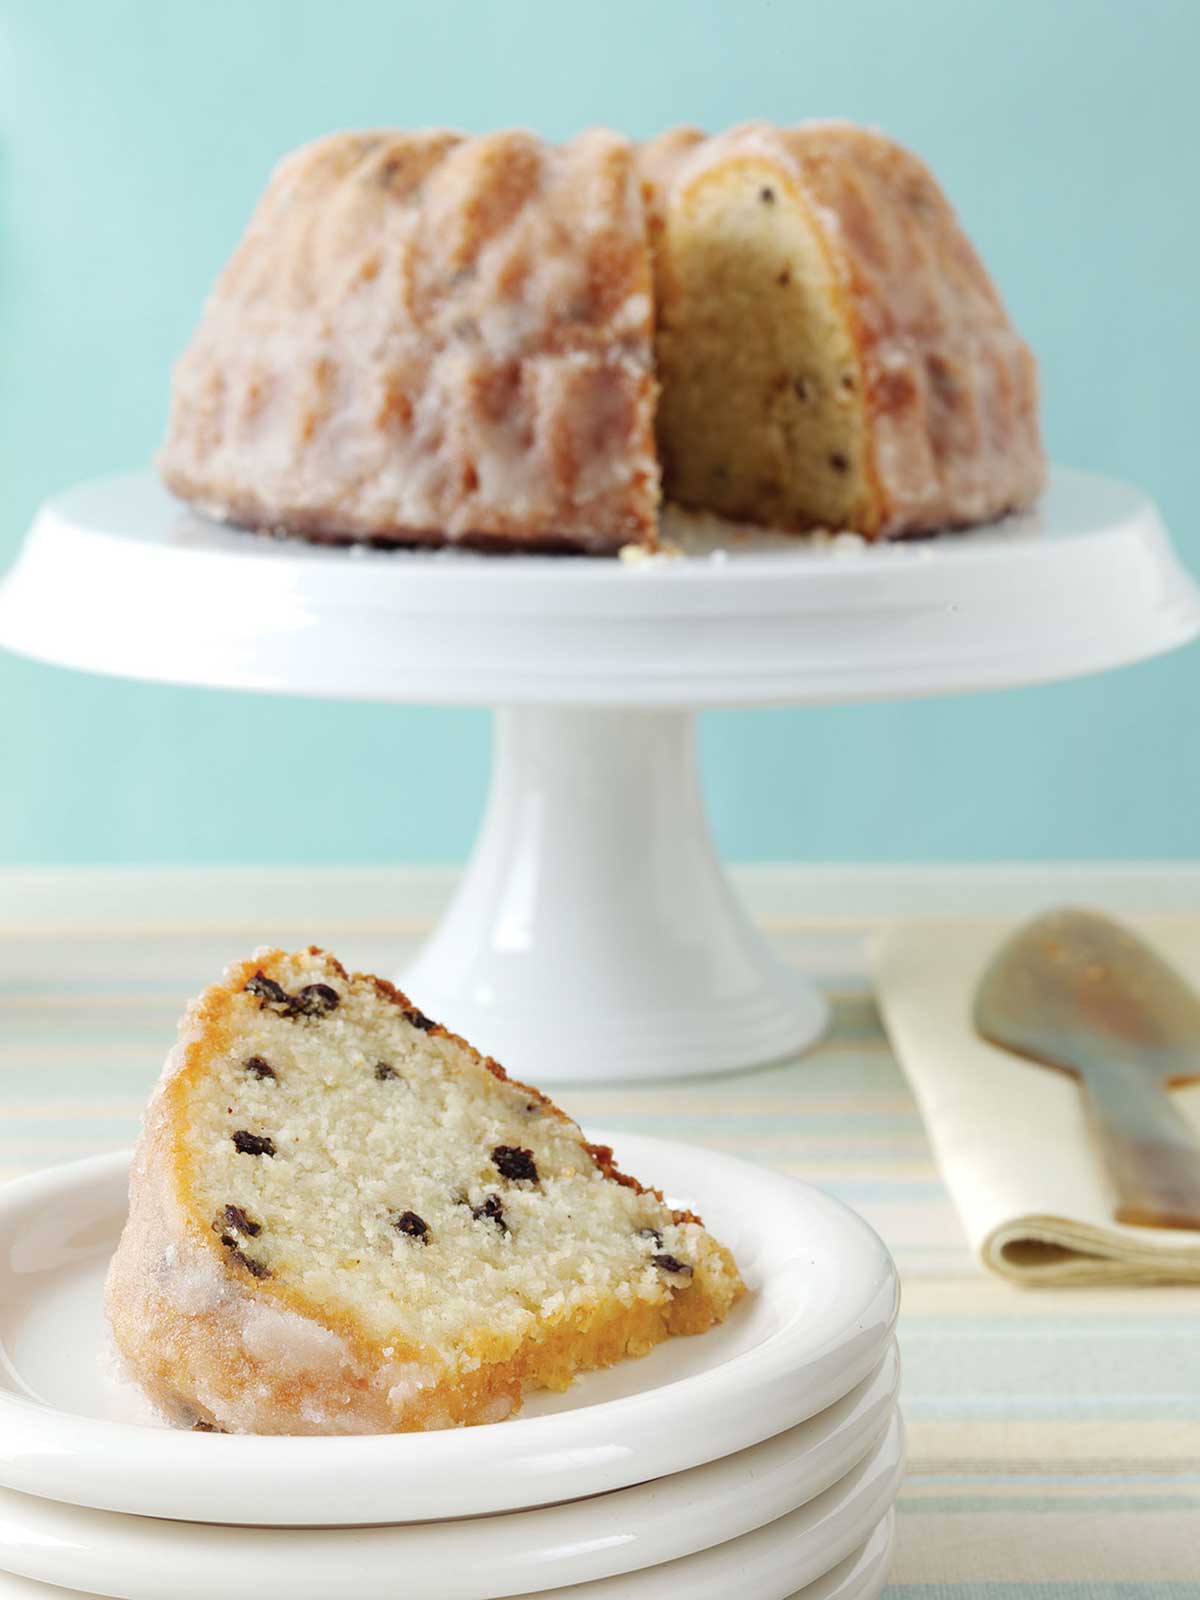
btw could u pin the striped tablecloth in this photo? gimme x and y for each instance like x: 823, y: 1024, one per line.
x: 1055, y: 1436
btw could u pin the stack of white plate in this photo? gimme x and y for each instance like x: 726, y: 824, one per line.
x: 761, y: 1460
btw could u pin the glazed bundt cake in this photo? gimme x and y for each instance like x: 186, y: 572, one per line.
x: 424, y: 338
x: 429, y: 338
x: 344, y: 1220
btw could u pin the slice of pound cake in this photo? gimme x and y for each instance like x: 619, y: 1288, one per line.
x: 343, y: 1219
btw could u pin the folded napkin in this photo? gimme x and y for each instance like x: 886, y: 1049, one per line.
x: 1010, y: 1136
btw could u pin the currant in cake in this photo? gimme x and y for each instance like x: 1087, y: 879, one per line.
x: 345, y: 1220
x: 426, y: 338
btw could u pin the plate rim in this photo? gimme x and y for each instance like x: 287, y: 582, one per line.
x: 61, y: 1454
x: 125, y: 1556
x: 860, y: 1576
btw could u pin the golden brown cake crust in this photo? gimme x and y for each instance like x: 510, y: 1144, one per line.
x: 217, y: 1344
x: 426, y: 338
x: 659, y: 161
x: 950, y: 403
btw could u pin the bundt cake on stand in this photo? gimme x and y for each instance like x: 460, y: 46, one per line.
x: 425, y: 338
x: 705, y: 345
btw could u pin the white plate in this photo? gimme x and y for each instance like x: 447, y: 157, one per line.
x: 822, y: 1305
x: 763, y: 1566
x: 478, y: 1559
x: 765, y: 1576
x: 577, y: 1542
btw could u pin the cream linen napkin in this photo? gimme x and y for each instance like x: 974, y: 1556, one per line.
x: 1009, y: 1136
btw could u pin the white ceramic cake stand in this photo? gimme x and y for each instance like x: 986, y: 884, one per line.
x: 594, y: 935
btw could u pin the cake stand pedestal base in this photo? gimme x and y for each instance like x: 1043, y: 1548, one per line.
x: 594, y: 935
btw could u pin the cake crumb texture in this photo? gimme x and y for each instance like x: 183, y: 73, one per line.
x: 831, y: 350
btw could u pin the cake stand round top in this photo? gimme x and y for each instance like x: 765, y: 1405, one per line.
x: 117, y: 577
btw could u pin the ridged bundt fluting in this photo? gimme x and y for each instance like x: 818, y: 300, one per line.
x: 426, y: 338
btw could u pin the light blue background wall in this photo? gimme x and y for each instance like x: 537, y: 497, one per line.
x: 134, y: 137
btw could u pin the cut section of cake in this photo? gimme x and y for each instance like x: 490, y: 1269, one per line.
x: 831, y: 350
x: 343, y: 1219
x: 425, y: 338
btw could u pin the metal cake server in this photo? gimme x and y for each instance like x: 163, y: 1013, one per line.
x: 1076, y: 991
